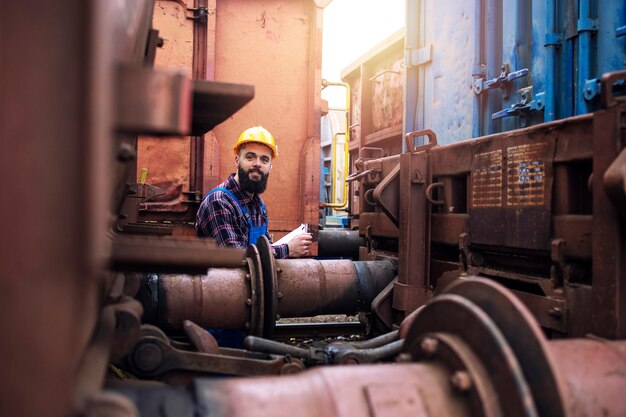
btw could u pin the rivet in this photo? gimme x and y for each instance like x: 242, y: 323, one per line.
x: 248, y: 276
x: 280, y: 295
x: 429, y: 346
x: 249, y: 301
x: 461, y: 381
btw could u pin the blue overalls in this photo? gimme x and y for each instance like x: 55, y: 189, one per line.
x: 254, y: 232
x: 234, y: 338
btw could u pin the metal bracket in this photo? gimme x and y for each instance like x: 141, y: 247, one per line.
x: 153, y: 102
x: 523, y: 108
x: 199, y: 13
x: 552, y: 39
x: 503, y: 80
x: 587, y: 25
x: 417, y: 57
x: 592, y: 89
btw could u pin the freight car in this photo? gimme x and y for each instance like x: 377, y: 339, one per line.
x: 454, y: 216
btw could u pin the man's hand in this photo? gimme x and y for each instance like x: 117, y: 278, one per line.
x: 299, y: 245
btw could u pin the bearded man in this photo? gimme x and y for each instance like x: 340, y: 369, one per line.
x: 233, y: 213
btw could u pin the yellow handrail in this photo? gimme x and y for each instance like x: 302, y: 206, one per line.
x: 346, y: 159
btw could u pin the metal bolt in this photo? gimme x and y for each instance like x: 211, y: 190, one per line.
x: 461, y: 381
x: 126, y: 153
x: 429, y: 346
x: 279, y: 270
x: 148, y: 356
x: 555, y: 312
x: 280, y: 295
x: 249, y: 301
x: 248, y: 276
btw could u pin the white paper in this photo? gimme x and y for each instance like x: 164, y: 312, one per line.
x: 303, y: 228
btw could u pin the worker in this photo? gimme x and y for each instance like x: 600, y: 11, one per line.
x: 233, y: 213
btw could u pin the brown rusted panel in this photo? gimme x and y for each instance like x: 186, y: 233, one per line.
x: 377, y: 82
x: 380, y: 225
x: 577, y: 232
x: 609, y: 248
x: 274, y: 45
x: 550, y: 313
x: 168, y: 159
x: 510, y: 193
x: 413, y: 284
x: 446, y: 228
x: 57, y: 140
x: 594, y: 375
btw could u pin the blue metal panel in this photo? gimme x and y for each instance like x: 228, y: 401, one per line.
x: 566, y: 45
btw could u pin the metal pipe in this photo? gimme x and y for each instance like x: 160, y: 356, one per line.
x: 199, y: 72
x: 585, y: 27
x: 377, y: 341
x: 522, y: 30
x: 411, y: 72
x: 596, y: 383
x: 478, y: 70
x: 551, y: 43
x: 259, y: 344
x: 493, y: 58
x: 310, y: 287
x: 339, y: 243
x: 216, y: 300
x: 346, y: 160
x: 226, y: 298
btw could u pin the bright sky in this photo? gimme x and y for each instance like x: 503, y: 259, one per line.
x: 351, y: 28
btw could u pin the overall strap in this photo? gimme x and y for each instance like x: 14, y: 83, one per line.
x: 241, y: 206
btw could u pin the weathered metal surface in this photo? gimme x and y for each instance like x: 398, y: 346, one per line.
x: 413, y: 287
x: 595, y: 385
x: 164, y: 254
x: 479, y: 353
x: 311, y: 287
x: 402, y: 391
x: 58, y: 135
x: 609, y: 247
x: 216, y: 300
x: 153, y: 356
x: 339, y: 243
x: 201, y: 339
x: 376, y: 79
x: 152, y: 101
x: 511, y: 189
x: 232, y: 299
x: 339, y: 353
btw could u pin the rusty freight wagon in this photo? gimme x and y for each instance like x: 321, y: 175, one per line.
x: 486, y: 145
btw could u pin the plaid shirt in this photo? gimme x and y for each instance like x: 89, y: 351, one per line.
x: 221, y: 218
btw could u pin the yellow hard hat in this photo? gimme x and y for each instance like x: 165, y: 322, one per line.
x: 257, y: 134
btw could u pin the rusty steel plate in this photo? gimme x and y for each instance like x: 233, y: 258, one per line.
x: 523, y: 335
x: 511, y: 192
x: 270, y: 285
x: 214, y: 102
